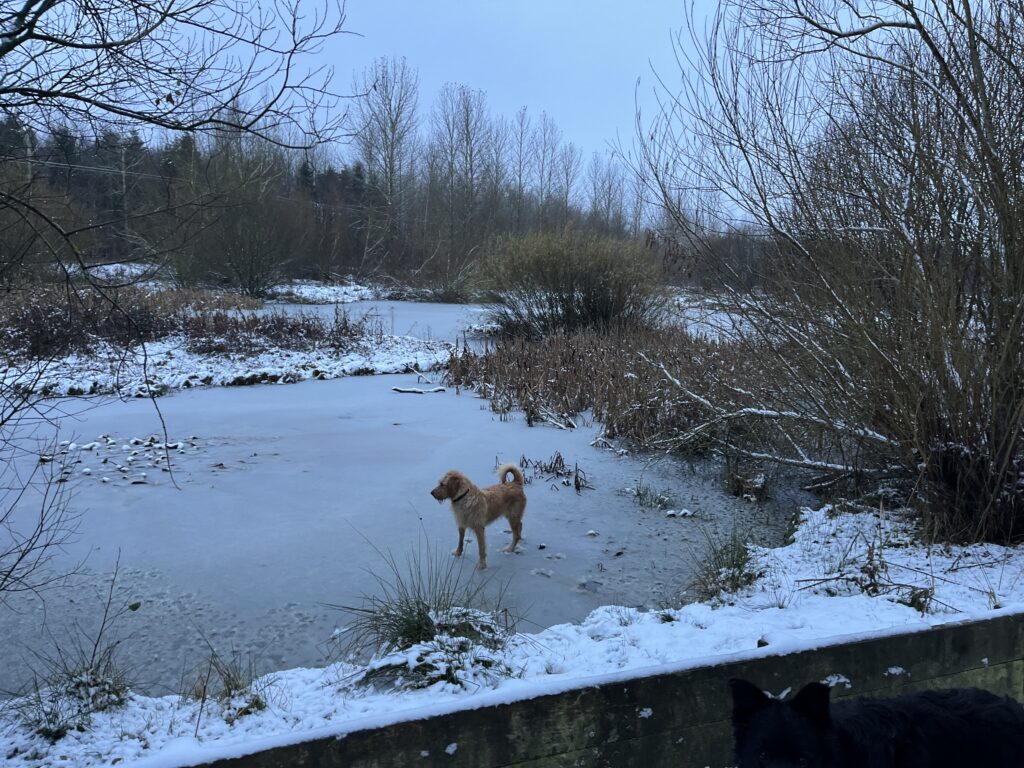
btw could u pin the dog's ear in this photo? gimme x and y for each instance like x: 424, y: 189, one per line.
x: 454, y: 485
x: 747, y: 700
x: 812, y: 704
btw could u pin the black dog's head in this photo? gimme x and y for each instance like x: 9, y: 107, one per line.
x: 780, y: 734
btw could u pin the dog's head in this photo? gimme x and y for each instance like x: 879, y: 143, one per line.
x: 780, y: 734
x: 449, y: 486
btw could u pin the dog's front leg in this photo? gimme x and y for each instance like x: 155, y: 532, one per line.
x: 462, y: 538
x: 481, y: 543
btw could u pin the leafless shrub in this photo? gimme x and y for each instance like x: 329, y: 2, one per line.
x: 242, y: 333
x: 41, y: 321
x: 543, y: 283
x: 867, y: 154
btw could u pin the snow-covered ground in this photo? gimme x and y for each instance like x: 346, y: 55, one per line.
x: 401, y: 336
x: 127, y: 271
x: 814, y: 589
x: 315, y: 292
x: 167, y: 364
x: 282, y: 498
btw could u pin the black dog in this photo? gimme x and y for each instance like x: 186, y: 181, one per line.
x: 954, y: 728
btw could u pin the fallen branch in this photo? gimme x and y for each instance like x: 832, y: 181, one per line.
x: 546, y: 414
x: 722, y: 415
x: 416, y: 390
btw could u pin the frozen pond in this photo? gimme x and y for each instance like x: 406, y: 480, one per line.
x: 424, y: 320
x: 284, y: 497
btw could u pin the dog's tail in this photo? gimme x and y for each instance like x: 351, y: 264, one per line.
x: 517, y: 475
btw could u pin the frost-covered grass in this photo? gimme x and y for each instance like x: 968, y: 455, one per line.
x: 848, y: 571
x: 650, y: 497
x: 722, y: 567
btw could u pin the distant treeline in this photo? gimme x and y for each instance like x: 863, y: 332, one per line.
x: 419, y: 196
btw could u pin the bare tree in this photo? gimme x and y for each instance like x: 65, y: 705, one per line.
x: 569, y: 162
x: 179, y: 66
x: 874, y: 148
x: 606, y: 193
x: 546, y: 138
x: 496, y: 175
x: 387, y: 122
x: 257, y: 228
x: 174, y: 67
x: 523, y: 158
x: 193, y: 66
x: 459, y: 143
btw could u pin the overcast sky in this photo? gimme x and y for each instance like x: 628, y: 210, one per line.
x: 578, y: 60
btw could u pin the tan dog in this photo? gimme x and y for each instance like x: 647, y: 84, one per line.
x: 475, y: 508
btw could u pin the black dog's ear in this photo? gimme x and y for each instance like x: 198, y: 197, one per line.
x: 811, y: 703
x: 747, y: 700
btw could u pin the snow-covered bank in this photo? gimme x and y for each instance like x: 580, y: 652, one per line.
x: 317, y: 292
x: 167, y: 364
x: 846, y: 573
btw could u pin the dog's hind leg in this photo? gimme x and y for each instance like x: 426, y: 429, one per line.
x: 517, y: 533
x: 481, y: 543
x: 462, y: 538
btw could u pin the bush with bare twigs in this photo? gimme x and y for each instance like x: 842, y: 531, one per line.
x: 870, y: 157
x: 542, y: 283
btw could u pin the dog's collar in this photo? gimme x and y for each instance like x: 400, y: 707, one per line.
x: 461, y: 496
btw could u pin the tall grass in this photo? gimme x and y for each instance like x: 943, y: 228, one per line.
x: 418, y: 599
x: 427, y: 623
x: 612, y: 374
x: 723, y: 567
